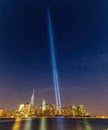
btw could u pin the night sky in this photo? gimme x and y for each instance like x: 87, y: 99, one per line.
x: 80, y: 29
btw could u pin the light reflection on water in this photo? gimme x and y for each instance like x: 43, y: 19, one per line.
x: 17, y: 124
x: 28, y: 124
x: 79, y: 127
x: 60, y: 124
x: 43, y: 125
x: 54, y: 124
x: 87, y: 125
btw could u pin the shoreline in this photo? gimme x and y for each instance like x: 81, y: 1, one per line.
x: 51, y: 118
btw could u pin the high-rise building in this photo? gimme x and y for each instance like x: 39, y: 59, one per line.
x: 21, y: 107
x: 32, y: 99
x: 27, y: 108
x: 43, y: 105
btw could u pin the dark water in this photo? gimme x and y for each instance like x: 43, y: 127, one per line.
x: 54, y: 124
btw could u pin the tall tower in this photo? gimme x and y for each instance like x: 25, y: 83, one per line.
x: 43, y: 105
x: 32, y: 99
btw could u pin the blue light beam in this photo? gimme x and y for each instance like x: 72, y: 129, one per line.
x: 55, y: 74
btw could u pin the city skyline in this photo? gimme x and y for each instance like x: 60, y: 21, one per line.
x: 80, y: 35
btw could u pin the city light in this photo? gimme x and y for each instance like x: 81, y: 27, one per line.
x: 45, y: 110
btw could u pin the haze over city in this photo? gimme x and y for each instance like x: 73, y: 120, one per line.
x: 80, y: 31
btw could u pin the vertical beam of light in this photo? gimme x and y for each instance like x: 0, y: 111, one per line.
x: 43, y: 125
x: 55, y: 74
x: 28, y: 124
x: 17, y: 124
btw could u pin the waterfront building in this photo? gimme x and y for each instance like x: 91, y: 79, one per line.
x: 21, y: 107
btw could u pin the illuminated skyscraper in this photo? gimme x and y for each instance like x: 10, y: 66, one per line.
x: 32, y: 99
x: 21, y: 107
x: 43, y: 105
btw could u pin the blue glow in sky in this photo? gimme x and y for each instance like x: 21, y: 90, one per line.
x: 55, y: 74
